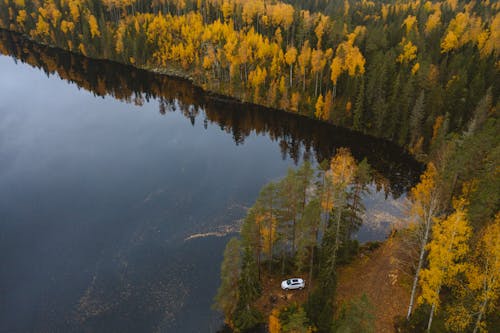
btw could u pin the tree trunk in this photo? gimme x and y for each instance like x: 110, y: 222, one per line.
x: 259, y: 249
x: 283, y: 262
x: 311, y: 263
x: 336, y: 246
x: 355, y: 202
x: 419, y: 266
x: 271, y: 237
x: 321, y: 81
x: 430, y: 317
x: 481, y: 312
x: 316, y: 85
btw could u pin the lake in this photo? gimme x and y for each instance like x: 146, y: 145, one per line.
x: 119, y: 189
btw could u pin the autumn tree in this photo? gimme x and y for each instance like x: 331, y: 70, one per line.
x: 267, y: 219
x: 484, y: 278
x: 290, y: 57
x: 304, y: 60
x: 478, y: 294
x: 343, y: 169
x: 447, y: 250
x: 424, y: 209
x: 227, y: 296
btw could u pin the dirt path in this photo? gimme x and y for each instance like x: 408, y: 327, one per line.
x: 377, y: 276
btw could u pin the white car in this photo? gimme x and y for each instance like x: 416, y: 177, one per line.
x: 295, y: 283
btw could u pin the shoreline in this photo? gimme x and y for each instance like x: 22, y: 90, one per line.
x: 176, y: 74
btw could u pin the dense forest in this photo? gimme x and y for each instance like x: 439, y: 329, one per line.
x: 408, y: 71
x: 423, y: 74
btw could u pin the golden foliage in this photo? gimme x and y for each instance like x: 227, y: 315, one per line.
x: 319, y: 107
x: 304, y: 57
x: 384, y: 11
x: 74, y: 11
x: 436, y: 127
x: 94, y: 27
x: 415, y: 68
x: 67, y: 26
x: 449, y: 43
x: 252, y: 9
x: 268, y: 234
x: 433, y: 21
x: 410, y: 22
x: 423, y: 194
x: 227, y: 9
x: 489, y: 40
x: 291, y: 55
x: 447, y: 250
x: 328, y: 105
x: 42, y: 28
x: 256, y: 78
x: 409, y: 52
x: 343, y: 168
x: 281, y: 14
x: 483, y: 275
x: 294, y: 102
x: 21, y: 17
x: 82, y: 49
x: 336, y: 69
x: 274, y: 322
x: 348, y: 58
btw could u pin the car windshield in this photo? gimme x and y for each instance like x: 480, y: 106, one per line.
x: 288, y: 281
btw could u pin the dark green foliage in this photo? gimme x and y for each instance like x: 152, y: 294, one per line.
x: 249, y: 284
x: 356, y: 317
x: 319, y: 308
x: 293, y: 319
x: 348, y: 251
x: 475, y: 158
x: 228, y: 293
x: 359, y: 107
x: 418, y: 321
x: 246, y: 316
x: 370, y: 246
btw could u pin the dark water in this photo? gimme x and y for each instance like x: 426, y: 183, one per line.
x: 119, y: 189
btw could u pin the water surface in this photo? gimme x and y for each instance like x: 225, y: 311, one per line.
x: 119, y: 189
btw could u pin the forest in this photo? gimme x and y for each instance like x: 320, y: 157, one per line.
x: 422, y: 74
x: 304, y: 223
x: 407, y: 71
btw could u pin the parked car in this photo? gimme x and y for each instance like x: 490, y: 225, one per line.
x: 295, y: 283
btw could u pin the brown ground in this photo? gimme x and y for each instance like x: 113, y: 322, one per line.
x: 376, y: 274
x: 274, y: 297
x: 373, y: 273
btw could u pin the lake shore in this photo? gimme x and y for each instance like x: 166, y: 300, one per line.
x: 225, y: 93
